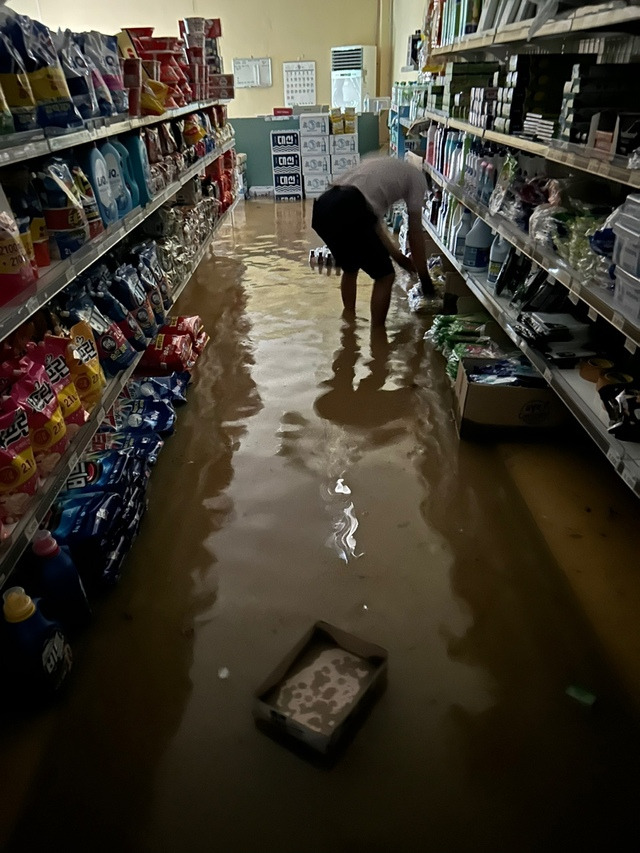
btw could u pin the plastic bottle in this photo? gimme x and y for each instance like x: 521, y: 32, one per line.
x: 39, y: 652
x: 139, y: 164
x: 129, y: 180
x: 431, y: 141
x: 119, y: 189
x: 497, y: 257
x: 476, y: 247
x: 460, y: 235
x: 64, y: 597
x: 97, y: 172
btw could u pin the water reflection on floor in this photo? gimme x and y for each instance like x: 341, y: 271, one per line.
x: 316, y: 474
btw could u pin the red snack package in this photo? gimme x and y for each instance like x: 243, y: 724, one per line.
x: 18, y: 472
x: 47, y: 429
x: 52, y: 354
x: 191, y: 326
x: 167, y: 354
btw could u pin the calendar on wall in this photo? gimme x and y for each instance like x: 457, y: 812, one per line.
x: 299, y: 84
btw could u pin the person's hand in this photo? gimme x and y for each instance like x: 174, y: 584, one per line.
x: 404, y: 262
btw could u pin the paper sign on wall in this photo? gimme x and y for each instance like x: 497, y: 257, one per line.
x: 299, y: 84
x: 252, y: 73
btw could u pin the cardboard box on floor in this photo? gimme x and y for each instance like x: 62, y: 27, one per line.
x: 479, y: 408
x: 292, y: 705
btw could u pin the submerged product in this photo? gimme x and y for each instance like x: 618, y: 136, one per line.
x: 64, y: 597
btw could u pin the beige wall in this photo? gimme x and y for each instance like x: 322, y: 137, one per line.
x: 408, y: 16
x: 285, y: 30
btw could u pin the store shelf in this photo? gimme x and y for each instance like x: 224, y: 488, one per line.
x: 610, y: 168
x: 30, y: 145
x: 17, y: 312
x: 576, y: 393
x: 609, y: 16
x: 596, y: 296
x: 14, y: 547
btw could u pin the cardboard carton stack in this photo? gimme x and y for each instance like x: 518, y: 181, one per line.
x: 316, y: 160
x: 344, y: 141
x: 286, y: 163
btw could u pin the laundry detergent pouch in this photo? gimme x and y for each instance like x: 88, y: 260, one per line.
x: 77, y: 74
x: 84, y: 192
x: 124, y: 320
x: 145, y: 415
x: 128, y: 289
x: 145, y: 446
x: 86, y: 371
x: 47, y: 429
x: 191, y: 326
x: 62, y: 207
x: 110, y: 472
x: 172, y: 389
x: 148, y: 281
x: 168, y: 354
x: 103, y: 52
x: 114, y: 351
x: 54, y: 107
x: 6, y: 119
x: 119, y: 189
x: 103, y: 95
x: 95, y: 168
x: 18, y: 472
x: 148, y: 255
x: 50, y: 355
x: 16, y: 272
x: 16, y: 87
x: 139, y: 166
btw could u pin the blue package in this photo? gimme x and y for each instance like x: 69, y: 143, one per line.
x: 125, y: 320
x: 112, y: 472
x: 148, y: 255
x: 170, y: 388
x: 145, y: 446
x: 145, y: 415
x: 77, y: 73
x: 152, y: 290
x: 128, y: 289
x: 114, y: 350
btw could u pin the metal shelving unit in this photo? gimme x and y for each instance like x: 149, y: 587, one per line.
x: 576, y: 393
x: 26, y: 146
x: 13, y: 548
x: 56, y: 279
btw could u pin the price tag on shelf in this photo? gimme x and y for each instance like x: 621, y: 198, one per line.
x: 630, y: 479
x: 5, y: 156
x: 31, y: 528
x: 573, y: 297
x: 630, y: 346
x: 73, y: 461
x: 548, y: 375
x: 100, y: 414
x: 613, y: 457
x: 617, y: 320
x: 32, y: 305
x: 592, y: 314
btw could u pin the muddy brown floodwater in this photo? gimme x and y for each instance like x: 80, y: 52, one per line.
x: 316, y: 473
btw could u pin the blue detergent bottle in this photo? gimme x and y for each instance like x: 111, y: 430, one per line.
x: 139, y: 165
x: 63, y: 596
x: 41, y: 656
x: 95, y: 168
x: 129, y: 180
x: 119, y: 188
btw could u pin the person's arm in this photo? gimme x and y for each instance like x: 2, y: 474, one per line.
x: 393, y: 250
x: 418, y: 255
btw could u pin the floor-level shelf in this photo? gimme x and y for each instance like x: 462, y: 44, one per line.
x: 595, y: 295
x: 15, y: 545
x: 576, y: 393
x: 15, y: 313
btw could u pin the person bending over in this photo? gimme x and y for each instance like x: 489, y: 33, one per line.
x: 348, y: 217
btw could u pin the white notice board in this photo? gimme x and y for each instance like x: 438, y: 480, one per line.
x: 299, y: 84
x: 252, y: 73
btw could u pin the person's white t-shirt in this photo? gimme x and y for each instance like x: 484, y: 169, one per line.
x: 384, y: 181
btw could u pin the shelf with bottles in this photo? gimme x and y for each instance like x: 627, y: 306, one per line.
x: 578, y: 394
x: 595, y: 290
x: 62, y: 272
x: 12, y: 548
x: 576, y: 23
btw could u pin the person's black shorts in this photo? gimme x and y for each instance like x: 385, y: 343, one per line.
x: 345, y: 221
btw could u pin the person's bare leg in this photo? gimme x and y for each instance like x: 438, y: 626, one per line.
x: 348, y: 288
x: 380, y: 299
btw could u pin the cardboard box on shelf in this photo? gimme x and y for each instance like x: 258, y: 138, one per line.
x: 480, y: 408
x: 216, y: 93
x: 287, y: 194
x: 314, y: 124
x: 353, y: 673
x: 346, y: 143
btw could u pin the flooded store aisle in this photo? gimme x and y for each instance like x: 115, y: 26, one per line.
x: 316, y: 473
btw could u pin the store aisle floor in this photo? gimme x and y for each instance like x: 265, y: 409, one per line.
x: 316, y: 474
